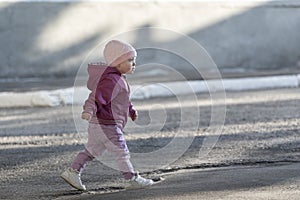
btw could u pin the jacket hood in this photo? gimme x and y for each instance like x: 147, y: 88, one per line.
x: 96, y: 71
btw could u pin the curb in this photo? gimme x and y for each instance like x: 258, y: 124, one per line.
x: 141, y: 92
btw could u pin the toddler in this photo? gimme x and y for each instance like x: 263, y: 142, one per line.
x: 107, y: 109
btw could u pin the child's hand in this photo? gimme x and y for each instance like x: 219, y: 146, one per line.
x: 86, y: 116
x: 134, y: 116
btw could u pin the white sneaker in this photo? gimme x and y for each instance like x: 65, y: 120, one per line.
x: 72, y: 177
x: 140, y: 182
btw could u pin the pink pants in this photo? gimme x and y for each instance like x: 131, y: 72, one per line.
x: 102, y: 138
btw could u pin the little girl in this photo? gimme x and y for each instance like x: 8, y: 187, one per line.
x: 107, y: 109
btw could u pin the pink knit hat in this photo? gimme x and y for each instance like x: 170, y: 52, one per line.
x: 116, y: 52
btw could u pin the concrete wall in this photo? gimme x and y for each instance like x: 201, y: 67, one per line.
x: 52, y: 39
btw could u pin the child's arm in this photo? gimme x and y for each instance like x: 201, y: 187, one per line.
x: 89, y: 107
x: 132, y: 112
x: 101, y: 95
x: 106, y: 91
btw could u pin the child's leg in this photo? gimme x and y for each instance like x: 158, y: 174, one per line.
x: 94, y: 148
x: 114, y: 142
x: 81, y: 160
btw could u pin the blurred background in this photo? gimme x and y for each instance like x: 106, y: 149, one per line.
x: 43, y: 43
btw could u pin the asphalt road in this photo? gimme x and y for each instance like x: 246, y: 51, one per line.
x: 273, y: 181
x: 256, y: 156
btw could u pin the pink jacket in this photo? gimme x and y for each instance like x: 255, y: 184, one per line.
x: 108, y: 101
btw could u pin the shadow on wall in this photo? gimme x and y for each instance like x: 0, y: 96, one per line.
x: 260, y: 40
x: 23, y: 23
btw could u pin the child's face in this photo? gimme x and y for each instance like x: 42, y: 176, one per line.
x: 128, y: 66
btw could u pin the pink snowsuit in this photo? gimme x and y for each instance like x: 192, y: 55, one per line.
x: 109, y: 105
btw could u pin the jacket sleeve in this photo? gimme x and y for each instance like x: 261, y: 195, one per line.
x: 90, y: 104
x: 106, y: 91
